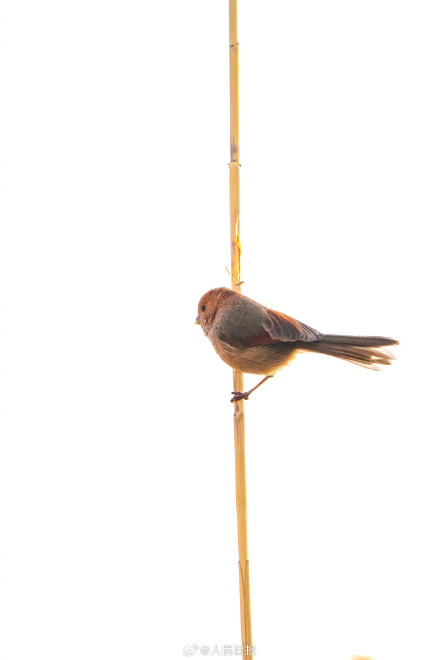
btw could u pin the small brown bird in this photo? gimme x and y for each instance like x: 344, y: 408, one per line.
x: 257, y: 340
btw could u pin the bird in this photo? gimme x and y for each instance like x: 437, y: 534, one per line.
x: 255, y: 339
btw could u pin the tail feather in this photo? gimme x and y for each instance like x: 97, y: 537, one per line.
x: 360, y: 341
x: 366, y: 352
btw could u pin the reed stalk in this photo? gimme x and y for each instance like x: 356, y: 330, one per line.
x: 239, y: 421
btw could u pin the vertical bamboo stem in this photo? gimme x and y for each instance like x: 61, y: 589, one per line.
x: 239, y: 425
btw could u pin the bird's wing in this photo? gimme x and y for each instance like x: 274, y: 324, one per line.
x: 280, y: 327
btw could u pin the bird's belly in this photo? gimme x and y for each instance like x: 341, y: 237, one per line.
x: 257, y: 359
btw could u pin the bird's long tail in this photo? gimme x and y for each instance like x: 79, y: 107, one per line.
x: 368, y: 352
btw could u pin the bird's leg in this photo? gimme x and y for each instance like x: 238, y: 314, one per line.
x: 245, y: 395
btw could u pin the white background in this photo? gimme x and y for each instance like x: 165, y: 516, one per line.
x: 118, y: 528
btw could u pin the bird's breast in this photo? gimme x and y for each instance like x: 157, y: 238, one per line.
x: 264, y: 360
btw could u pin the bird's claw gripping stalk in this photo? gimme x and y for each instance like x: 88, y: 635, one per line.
x: 238, y: 396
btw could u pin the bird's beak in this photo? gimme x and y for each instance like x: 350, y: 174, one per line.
x: 197, y: 320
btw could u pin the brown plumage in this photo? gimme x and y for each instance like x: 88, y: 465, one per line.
x: 255, y: 339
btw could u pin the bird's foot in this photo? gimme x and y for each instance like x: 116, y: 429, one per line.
x: 238, y: 396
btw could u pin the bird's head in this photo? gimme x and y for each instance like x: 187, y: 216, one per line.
x: 210, y: 304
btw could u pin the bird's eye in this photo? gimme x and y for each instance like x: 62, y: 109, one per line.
x: 203, y: 308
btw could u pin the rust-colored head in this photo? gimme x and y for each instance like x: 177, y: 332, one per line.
x: 210, y: 303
